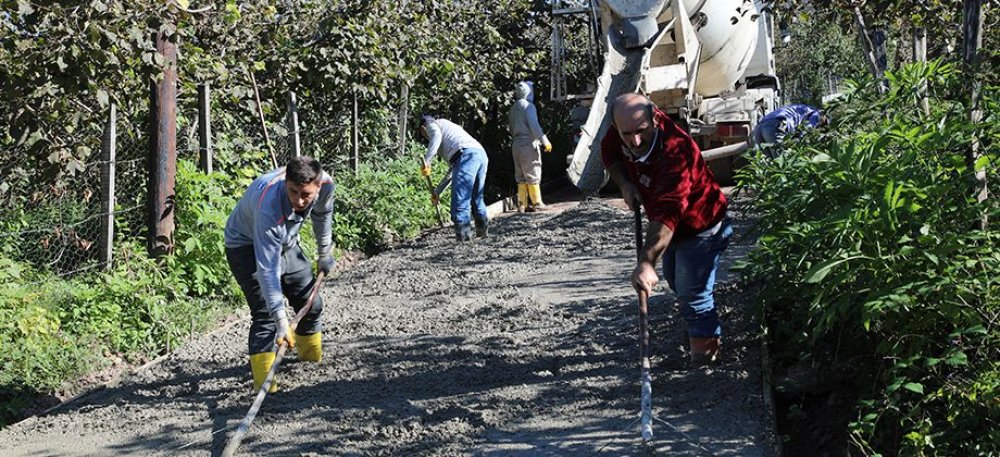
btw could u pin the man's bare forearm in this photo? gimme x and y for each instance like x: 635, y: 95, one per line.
x: 618, y: 175
x: 657, y: 239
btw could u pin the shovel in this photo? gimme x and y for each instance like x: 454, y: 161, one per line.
x: 430, y: 188
x: 237, y: 438
x: 646, y: 417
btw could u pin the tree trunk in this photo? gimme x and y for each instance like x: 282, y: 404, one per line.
x: 869, y: 48
x: 972, y: 41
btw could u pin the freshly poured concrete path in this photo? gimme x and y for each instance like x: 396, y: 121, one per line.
x: 521, y: 344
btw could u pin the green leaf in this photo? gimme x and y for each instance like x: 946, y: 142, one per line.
x: 979, y: 329
x: 914, y: 387
x: 102, y: 98
x: 981, y: 163
x: 957, y: 359
x: 819, y: 271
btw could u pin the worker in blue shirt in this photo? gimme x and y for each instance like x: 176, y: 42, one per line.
x: 776, y: 125
x: 262, y: 248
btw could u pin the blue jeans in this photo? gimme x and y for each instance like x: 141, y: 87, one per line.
x: 689, y: 265
x: 467, y: 187
x: 771, y: 131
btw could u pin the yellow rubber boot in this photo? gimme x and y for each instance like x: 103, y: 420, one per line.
x: 310, y: 346
x: 260, y: 365
x: 522, y: 197
x: 535, y: 191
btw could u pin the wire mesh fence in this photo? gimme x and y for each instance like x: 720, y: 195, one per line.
x: 50, y: 220
x: 131, y: 178
x: 51, y: 216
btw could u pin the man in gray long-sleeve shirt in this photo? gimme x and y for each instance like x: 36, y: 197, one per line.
x: 526, y: 138
x: 468, y: 163
x: 262, y: 248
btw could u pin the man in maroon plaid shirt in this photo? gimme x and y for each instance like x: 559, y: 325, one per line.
x: 656, y: 164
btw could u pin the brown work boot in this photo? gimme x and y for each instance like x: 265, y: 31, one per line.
x: 704, y: 351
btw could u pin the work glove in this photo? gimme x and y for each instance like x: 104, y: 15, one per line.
x: 425, y: 171
x: 326, y: 263
x: 435, y: 198
x: 547, y: 147
x: 282, y: 334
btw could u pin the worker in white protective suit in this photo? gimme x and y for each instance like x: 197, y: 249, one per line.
x: 527, y: 138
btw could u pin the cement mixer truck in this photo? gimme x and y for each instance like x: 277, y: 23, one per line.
x: 707, y: 63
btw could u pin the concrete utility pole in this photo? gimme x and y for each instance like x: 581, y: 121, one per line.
x: 163, y: 148
x: 294, y: 141
x: 109, y: 146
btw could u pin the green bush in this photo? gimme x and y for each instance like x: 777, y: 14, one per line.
x: 54, y: 329
x: 198, y: 267
x: 870, y: 260
x: 38, y: 352
x: 384, y: 203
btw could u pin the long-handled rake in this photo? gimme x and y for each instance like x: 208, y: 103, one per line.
x: 241, y: 431
x: 430, y: 188
x: 646, y: 418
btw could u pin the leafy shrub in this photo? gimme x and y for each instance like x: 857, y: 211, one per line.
x: 384, y: 203
x: 198, y: 266
x: 53, y: 329
x: 870, y: 260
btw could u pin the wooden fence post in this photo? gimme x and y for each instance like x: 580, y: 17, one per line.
x: 163, y: 149
x: 404, y: 114
x: 920, y: 55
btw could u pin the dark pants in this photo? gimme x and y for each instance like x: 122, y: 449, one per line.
x: 296, y: 282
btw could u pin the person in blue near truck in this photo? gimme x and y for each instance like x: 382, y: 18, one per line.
x: 775, y: 126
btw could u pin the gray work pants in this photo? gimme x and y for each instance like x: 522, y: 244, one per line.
x: 527, y: 164
x: 296, y: 283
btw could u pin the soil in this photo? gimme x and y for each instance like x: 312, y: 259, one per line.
x: 522, y: 343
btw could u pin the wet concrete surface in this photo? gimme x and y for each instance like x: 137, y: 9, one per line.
x: 519, y: 344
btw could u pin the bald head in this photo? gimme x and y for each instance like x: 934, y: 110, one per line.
x: 629, y: 106
x: 632, y: 115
